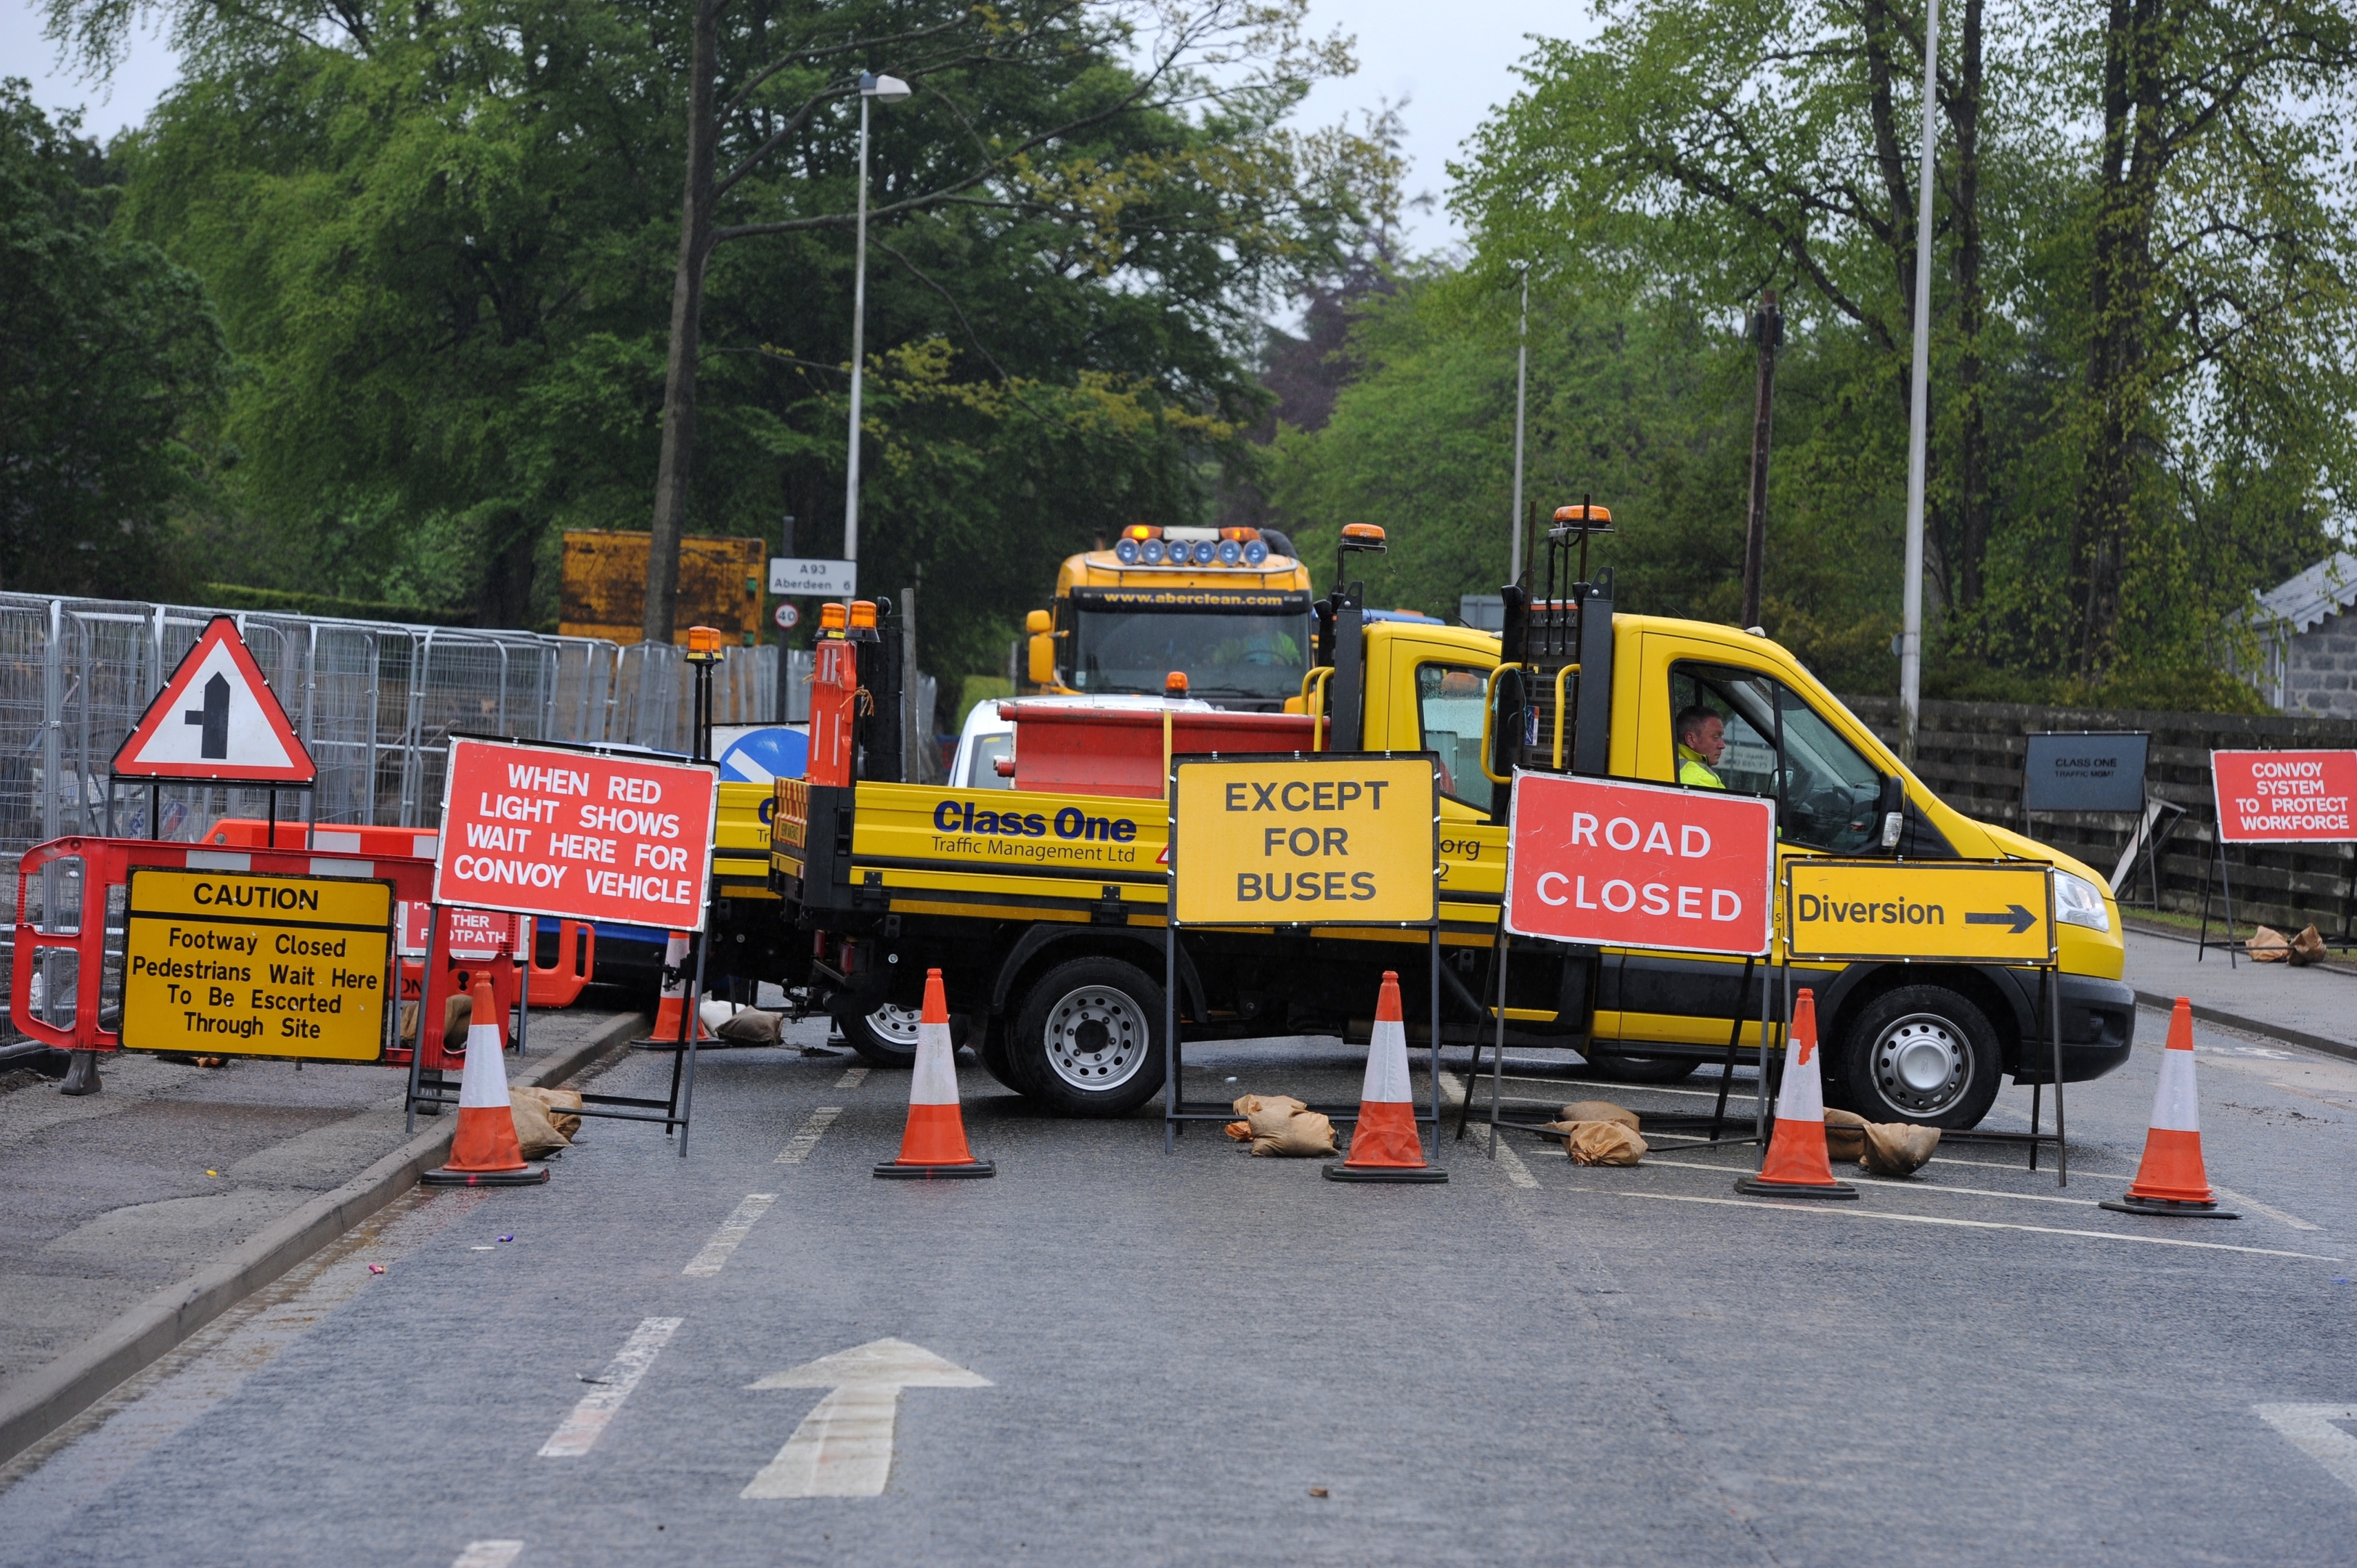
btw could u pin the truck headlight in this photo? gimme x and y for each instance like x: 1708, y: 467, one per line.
x: 2079, y: 902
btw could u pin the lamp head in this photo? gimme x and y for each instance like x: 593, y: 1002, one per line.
x: 883, y: 89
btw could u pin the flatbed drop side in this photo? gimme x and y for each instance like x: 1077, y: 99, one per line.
x: 1045, y: 910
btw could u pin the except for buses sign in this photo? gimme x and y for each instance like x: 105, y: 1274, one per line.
x: 2283, y: 797
x: 1328, y: 839
x: 1595, y: 860
x: 538, y: 831
x: 1966, y: 912
x: 231, y: 964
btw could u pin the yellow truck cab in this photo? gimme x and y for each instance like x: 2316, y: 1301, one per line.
x: 1053, y: 941
x: 1228, y: 608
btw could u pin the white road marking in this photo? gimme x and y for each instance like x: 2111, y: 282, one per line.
x: 1852, y: 1211
x: 488, y: 1554
x: 844, y: 1447
x: 851, y: 1076
x: 1885, y: 1183
x: 2310, y: 1428
x: 804, y: 1142
x: 2277, y: 1215
x: 732, y: 1230
x: 579, y: 1432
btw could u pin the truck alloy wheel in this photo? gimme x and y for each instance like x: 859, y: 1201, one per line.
x: 886, y: 1037
x: 1922, y: 1054
x: 1087, y: 1039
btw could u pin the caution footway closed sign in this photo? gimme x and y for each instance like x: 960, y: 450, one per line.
x: 540, y: 830
x: 1623, y: 864
x: 1995, y: 912
x: 1328, y: 839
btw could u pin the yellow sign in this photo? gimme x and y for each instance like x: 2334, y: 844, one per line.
x: 1332, y: 839
x: 1966, y: 912
x: 231, y: 964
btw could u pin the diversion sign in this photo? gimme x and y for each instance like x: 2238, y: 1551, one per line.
x: 232, y: 964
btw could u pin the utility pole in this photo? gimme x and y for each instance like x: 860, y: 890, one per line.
x: 785, y: 654
x: 1911, y: 632
x: 1521, y: 388
x: 1768, y: 331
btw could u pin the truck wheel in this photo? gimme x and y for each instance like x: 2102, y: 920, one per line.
x: 1921, y: 1054
x: 991, y: 1051
x: 1643, y: 1069
x: 886, y: 1037
x: 1087, y: 1040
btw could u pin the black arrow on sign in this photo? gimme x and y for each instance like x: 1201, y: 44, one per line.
x: 2019, y: 918
x: 212, y: 719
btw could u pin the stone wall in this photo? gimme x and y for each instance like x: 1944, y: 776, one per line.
x: 2318, y: 670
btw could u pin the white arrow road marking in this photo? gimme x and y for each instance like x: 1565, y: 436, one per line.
x: 844, y: 1447
x: 2309, y: 1427
x: 579, y: 1432
x: 488, y: 1554
x: 732, y: 1230
x: 796, y: 1152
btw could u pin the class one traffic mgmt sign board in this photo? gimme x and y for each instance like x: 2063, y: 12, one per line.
x: 1326, y: 838
x: 539, y: 831
x: 2283, y: 797
x: 1963, y: 912
x: 1641, y: 865
x: 231, y: 964
x: 2085, y: 772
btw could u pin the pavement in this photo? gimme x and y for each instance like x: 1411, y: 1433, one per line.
x: 2314, y: 1007
x: 1113, y: 1354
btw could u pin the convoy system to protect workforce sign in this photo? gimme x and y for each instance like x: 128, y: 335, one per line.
x: 2283, y: 797
x: 1641, y: 866
x: 232, y: 963
x: 1327, y: 839
x: 540, y: 831
x: 1961, y: 911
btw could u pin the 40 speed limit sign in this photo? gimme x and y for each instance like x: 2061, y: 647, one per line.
x: 1640, y: 866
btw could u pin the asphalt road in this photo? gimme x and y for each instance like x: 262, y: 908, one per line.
x: 1209, y: 1356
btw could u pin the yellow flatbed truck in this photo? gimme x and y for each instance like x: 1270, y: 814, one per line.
x: 1052, y: 941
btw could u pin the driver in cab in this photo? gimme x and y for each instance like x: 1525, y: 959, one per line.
x: 1702, y: 738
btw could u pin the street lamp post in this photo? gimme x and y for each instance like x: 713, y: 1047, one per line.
x: 1522, y: 383
x: 1919, y: 420
x: 890, y: 90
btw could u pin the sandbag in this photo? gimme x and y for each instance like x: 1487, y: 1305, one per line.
x: 1600, y: 1142
x: 1308, y: 1132
x: 2308, y: 947
x: 1240, y: 1130
x: 1245, y: 1104
x: 2268, y: 945
x: 1845, y: 1134
x: 1898, y: 1148
x: 752, y: 1028
x: 1270, y: 1117
x: 534, y: 1133
x: 457, y: 1018
x: 409, y: 1020
x: 561, y: 1106
x: 1599, y: 1111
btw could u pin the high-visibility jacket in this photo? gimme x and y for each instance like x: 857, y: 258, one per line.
x: 1693, y: 770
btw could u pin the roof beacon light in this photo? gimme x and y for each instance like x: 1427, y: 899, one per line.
x: 832, y: 618
x: 1362, y: 536
x: 703, y: 644
x: 863, y: 615
x: 1175, y: 683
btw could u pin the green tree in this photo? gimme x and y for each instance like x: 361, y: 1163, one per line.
x: 110, y: 363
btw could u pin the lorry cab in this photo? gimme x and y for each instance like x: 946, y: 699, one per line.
x: 1922, y: 1042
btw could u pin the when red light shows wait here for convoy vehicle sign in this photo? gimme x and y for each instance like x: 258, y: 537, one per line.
x: 536, y: 831
x: 1590, y: 860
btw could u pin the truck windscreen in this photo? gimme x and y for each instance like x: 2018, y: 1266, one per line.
x: 1228, y: 656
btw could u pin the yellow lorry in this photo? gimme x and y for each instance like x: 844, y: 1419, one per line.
x: 1052, y: 941
x: 1228, y: 608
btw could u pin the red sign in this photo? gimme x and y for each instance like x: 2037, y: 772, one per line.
x: 1640, y: 866
x: 216, y: 719
x: 2283, y: 797
x: 537, y: 831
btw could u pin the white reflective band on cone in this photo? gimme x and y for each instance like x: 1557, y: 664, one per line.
x: 484, y: 1085
x: 1803, y: 1098
x: 1386, y: 1081
x: 2175, y: 1106
x: 675, y: 965
x: 935, y: 1079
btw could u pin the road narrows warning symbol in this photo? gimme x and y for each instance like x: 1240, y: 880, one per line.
x: 216, y: 719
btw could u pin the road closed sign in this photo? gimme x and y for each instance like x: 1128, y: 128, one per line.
x: 1962, y: 911
x: 1641, y: 866
x: 2283, y: 797
x: 1327, y: 839
x: 539, y: 831
x: 232, y: 963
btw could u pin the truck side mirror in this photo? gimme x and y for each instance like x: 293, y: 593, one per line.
x: 1894, y: 810
x: 1042, y: 655
x: 1036, y: 622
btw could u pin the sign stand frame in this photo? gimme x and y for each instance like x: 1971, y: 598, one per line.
x: 1176, y: 1111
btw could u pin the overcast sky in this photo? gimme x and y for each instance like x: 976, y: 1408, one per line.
x: 1449, y: 63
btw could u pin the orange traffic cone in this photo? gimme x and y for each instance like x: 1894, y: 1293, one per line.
x: 2171, y: 1179
x: 485, y: 1153
x: 934, y: 1143
x: 1797, y: 1166
x: 1385, y: 1144
x: 672, y: 1007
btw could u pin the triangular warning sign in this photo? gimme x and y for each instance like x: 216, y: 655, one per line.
x: 216, y: 719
